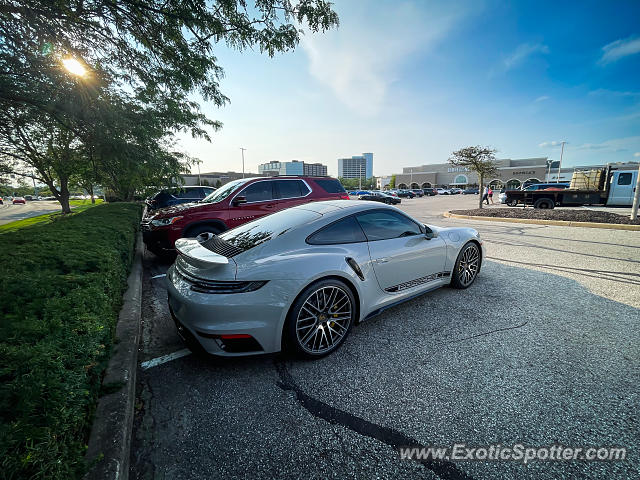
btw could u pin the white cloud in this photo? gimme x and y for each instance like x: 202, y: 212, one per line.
x: 521, y: 53
x: 359, y: 60
x: 614, y: 145
x: 614, y: 51
x: 541, y: 98
x: 637, y: 154
x: 550, y: 144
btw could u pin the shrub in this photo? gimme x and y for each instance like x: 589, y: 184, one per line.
x: 62, y: 285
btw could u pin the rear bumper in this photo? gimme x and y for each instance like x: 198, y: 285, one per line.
x: 210, y: 318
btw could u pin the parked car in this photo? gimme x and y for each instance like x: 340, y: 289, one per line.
x: 234, y: 204
x: 175, y: 196
x: 20, y: 200
x: 443, y: 191
x: 455, y: 191
x: 381, y: 197
x: 28, y: 198
x: 418, y: 192
x: 430, y: 191
x: 470, y: 191
x: 406, y: 194
x: 301, y: 278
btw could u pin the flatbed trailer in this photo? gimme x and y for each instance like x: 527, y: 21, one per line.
x: 616, y: 187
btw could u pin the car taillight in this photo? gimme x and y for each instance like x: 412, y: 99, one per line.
x: 344, y: 196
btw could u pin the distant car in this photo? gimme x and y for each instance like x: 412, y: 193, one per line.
x: 178, y: 195
x: 471, y: 191
x: 362, y: 192
x: 455, y: 191
x: 352, y: 192
x: 418, y: 192
x: 406, y: 194
x: 381, y: 197
x: 17, y: 200
x: 430, y: 191
x: 444, y: 191
x: 28, y: 197
x: 393, y: 193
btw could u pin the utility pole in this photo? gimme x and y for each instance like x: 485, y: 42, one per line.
x: 560, y: 164
x: 636, y: 197
x: 242, y: 149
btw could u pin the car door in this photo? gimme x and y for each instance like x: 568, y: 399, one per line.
x: 290, y: 192
x: 403, y: 256
x: 622, y: 188
x: 260, y: 201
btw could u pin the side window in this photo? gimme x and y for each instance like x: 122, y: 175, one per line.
x: 386, y: 225
x: 291, y: 188
x: 258, y: 192
x: 330, y: 185
x: 624, y: 179
x: 346, y: 230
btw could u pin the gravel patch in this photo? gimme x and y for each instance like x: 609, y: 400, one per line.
x: 539, y: 214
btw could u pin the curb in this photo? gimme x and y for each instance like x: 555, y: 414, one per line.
x: 110, y: 439
x: 560, y: 223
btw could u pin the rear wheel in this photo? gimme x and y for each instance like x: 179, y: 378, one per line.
x: 544, y: 203
x: 512, y: 202
x: 320, y: 319
x: 467, y: 266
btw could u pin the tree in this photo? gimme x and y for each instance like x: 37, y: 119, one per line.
x: 478, y: 159
x: 163, y: 51
x: 392, y: 182
x: 218, y: 184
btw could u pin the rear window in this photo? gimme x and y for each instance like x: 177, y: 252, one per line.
x: 264, y: 229
x: 291, y: 188
x: 346, y: 230
x: 330, y: 185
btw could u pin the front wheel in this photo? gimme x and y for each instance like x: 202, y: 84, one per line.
x: 467, y: 266
x: 512, y: 202
x: 320, y: 319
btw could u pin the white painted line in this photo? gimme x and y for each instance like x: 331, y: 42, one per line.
x: 159, y: 276
x: 165, y: 358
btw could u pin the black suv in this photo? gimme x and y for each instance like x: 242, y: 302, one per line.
x: 178, y: 195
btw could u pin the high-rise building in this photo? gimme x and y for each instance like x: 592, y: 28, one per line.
x: 358, y: 166
x: 315, y: 170
x: 294, y: 167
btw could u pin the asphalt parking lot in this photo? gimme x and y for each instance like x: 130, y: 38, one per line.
x: 543, y: 349
x: 11, y: 213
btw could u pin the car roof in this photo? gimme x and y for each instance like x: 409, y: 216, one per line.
x: 330, y: 207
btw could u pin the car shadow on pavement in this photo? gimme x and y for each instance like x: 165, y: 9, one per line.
x: 523, y: 356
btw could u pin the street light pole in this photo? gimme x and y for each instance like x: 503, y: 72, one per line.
x: 560, y: 164
x: 242, y: 149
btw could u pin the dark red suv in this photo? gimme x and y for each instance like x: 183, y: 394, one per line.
x: 233, y: 204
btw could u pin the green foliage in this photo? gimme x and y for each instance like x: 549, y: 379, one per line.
x: 392, y: 182
x: 354, y: 183
x: 62, y: 289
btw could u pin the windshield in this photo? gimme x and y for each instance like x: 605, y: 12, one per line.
x: 223, y: 192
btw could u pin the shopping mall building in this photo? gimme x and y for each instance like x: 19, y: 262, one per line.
x: 510, y: 174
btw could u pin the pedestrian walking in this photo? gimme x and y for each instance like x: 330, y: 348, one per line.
x: 485, y: 195
x: 490, y: 193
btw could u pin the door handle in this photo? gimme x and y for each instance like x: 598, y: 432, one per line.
x: 382, y: 260
x: 268, y: 206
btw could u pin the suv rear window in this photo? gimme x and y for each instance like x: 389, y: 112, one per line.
x: 291, y: 188
x: 330, y: 185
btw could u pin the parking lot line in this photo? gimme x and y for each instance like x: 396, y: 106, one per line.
x: 165, y: 358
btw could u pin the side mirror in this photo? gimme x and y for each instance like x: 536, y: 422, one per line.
x: 239, y: 200
x: 429, y: 234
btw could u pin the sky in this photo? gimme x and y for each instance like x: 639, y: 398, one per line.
x: 412, y: 81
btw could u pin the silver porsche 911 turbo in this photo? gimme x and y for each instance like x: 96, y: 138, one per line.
x: 301, y: 278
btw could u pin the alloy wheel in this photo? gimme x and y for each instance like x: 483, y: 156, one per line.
x: 323, y: 319
x: 469, y: 264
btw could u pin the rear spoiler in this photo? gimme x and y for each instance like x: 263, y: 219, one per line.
x: 194, y: 253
